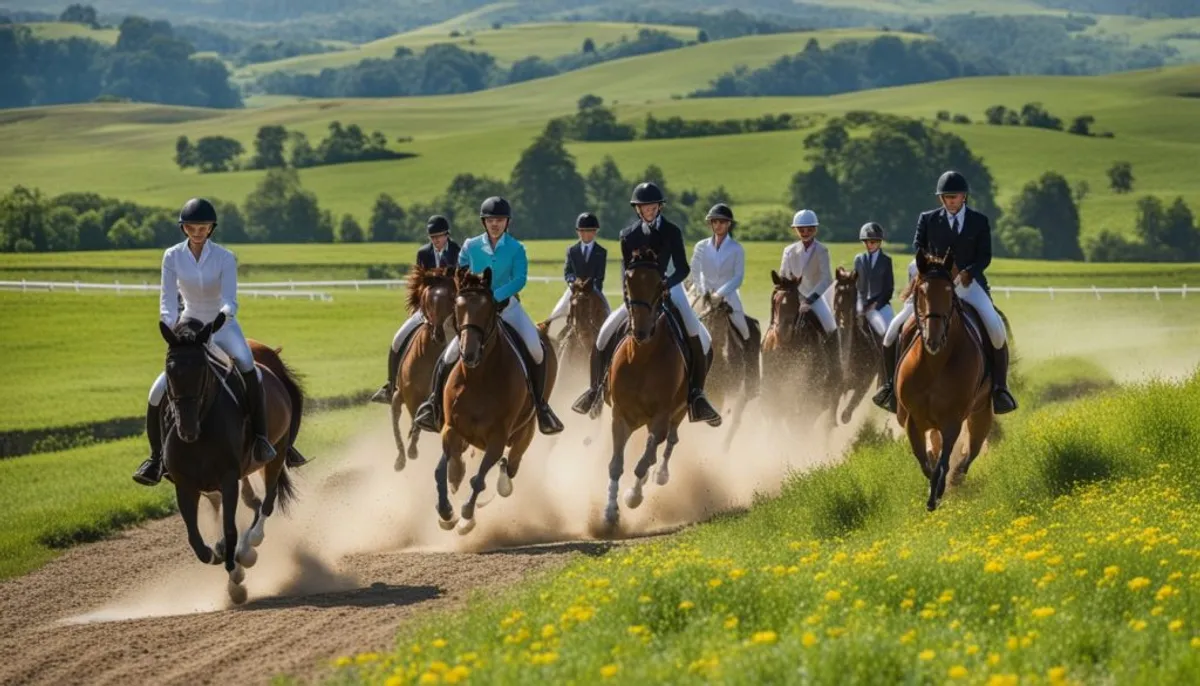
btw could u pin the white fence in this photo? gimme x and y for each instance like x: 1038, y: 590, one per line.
x: 249, y: 289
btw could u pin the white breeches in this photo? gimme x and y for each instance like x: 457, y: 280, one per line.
x: 516, y: 317
x: 878, y: 319
x: 824, y: 314
x: 406, y: 330
x: 690, y: 321
x: 738, y: 316
x: 975, y: 296
x: 563, y: 307
x: 230, y: 340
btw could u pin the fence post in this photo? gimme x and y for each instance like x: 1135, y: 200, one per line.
x: 76, y: 285
x: 1156, y: 296
x: 1183, y: 291
x: 23, y: 287
x: 118, y: 284
x: 1096, y: 291
x: 1051, y: 289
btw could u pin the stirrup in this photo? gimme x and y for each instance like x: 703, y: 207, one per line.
x: 426, y: 418
x: 885, y: 399
x: 586, y: 402
x: 384, y: 395
x: 263, y: 452
x: 548, y: 423
x: 701, y: 410
x: 1003, y: 401
x: 150, y: 472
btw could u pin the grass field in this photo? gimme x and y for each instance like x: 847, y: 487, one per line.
x: 1069, y: 556
x: 57, y: 30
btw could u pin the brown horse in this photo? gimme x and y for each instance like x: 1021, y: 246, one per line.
x: 487, y: 403
x: 800, y: 367
x: 584, y: 319
x: 728, y: 379
x: 430, y: 292
x: 647, y: 382
x: 859, y: 347
x: 207, y: 442
x: 942, y: 382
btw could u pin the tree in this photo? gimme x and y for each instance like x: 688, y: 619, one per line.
x: 92, y: 236
x: 589, y: 101
x: 1181, y: 235
x: 589, y: 46
x: 1120, y: 177
x: 1024, y: 242
x: 1048, y: 205
x: 547, y: 189
x: 279, y: 210
x: 215, y: 153
x: 463, y: 197
x: 349, y: 230
x: 1080, y: 191
x: 61, y: 230
x: 1082, y: 126
x: 123, y: 234
x: 1109, y: 246
x: 232, y: 222
x: 268, y: 147
x: 303, y: 154
x: 185, y: 153
x: 1033, y: 114
x: 996, y: 115
x: 817, y: 190
x: 79, y: 14
x: 608, y: 196
x: 23, y: 218
x: 702, y: 36
x: 387, y: 220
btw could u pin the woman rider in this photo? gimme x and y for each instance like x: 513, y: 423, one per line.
x: 206, y: 275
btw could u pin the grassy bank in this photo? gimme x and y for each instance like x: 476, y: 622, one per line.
x: 1070, y: 555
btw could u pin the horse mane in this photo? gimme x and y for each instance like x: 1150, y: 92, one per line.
x: 844, y: 276
x: 420, y: 279
x: 643, y: 257
x: 787, y: 283
x: 468, y: 281
x: 187, y: 330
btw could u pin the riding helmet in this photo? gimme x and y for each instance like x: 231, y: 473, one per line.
x: 437, y: 225
x: 587, y: 220
x: 805, y: 218
x: 720, y: 211
x: 647, y: 193
x: 495, y: 206
x: 871, y: 231
x: 198, y: 211
x: 952, y: 182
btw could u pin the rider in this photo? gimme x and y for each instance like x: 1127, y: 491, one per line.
x: 652, y: 230
x: 440, y: 251
x: 505, y: 255
x: 808, y: 258
x: 586, y: 259
x: 876, y: 283
x: 718, y: 267
x: 958, y: 227
x: 206, y: 274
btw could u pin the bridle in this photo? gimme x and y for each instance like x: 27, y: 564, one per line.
x: 437, y: 328
x: 493, y: 326
x: 798, y: 320
x: 204, y: 398
x: 923, y: 319
x: 653, y: 306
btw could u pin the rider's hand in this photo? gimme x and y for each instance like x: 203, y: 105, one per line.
x: 963, y: 279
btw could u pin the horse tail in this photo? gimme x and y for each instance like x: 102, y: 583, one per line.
x: 285, y: 490
x: 269, y: 358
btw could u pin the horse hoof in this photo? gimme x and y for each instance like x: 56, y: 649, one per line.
x: 846, y: 416
x: 238, y: 575
x: 218, y: 553
x: 504, y: 484
x: 633, y: 498
x: 237, y: 593
x: 465, y: 526
x: 248, y: 557
x: 398, y: 465
x: 255, y: 536
x: 612, y: 515
x: 662, y: 476
x: 447, y: 524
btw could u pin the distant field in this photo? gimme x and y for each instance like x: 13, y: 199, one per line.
x: 57, y: 30
x: 1139, y: 30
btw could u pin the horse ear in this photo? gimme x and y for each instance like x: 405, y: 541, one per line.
x: 218, y: 322
x: 774, y: 277
x: 487, y: 277
x: 167, y: 334
x: 204, y: 334
x: 922, y: 262
x: 854, y: 275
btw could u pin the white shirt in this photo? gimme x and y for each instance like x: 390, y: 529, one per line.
x: 960, y: 217
x: 811, y: 265
x: 718, y: 269
x: 208, y: 285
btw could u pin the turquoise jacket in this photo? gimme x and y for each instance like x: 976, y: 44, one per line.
x: 509, y: 265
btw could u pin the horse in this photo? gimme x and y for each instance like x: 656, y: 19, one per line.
x: 798, y: 362
x: 647, y: 381
x: 430, y: 292
x: 487, y: 402
x: 726, y: 383
x: 942, y: 379
x: 584, y: 319
x: 860, y: 349
x: 207, y: 442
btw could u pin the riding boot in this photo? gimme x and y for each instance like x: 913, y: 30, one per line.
x: 295, y: 459
x: 752, y: 352
x: 385, y: 393
x: 600, y: 360
x: 1003, y: 401
x: 886, y: 397
x: 548, y: 422
x: 699, y: 409
x: 256, y: 401
x: 151, y: 470
x: 429, y: 414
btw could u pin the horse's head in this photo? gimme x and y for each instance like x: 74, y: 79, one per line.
x: 188, y: 372
x: 431, y: 292
x: 586, y: 310
x: 845, y: 297
x: 934, y: 298
x: 645, y: 289
x: 785, y: 306
x: 475, y: 314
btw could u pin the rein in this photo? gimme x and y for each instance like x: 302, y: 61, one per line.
x: 634, y: 302
x: 205, y: 399
x: 923, y: 319
x: 487, y: 334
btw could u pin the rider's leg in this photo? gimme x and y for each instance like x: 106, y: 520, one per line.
x: 821, y: 309
x: 384, y: 394
x: 562, y: 307
x: 700, y: 342
x: 231, y: 340
x: 886, y: 397
x: 429, y: 414
x: 879, y: 320
x: 517, y: 318
x: 1003, y: 401
x: 601, y: 357
x: 150, y: 472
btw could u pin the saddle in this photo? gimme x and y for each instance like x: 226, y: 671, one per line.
x: 975, y: 331
x: 227, y: 373
x: 678, y: 334
x: 514, y: 339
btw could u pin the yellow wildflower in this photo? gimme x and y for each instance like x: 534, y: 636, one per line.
x: 1043, y: 612
x: 972, y: 649
x: 430, y: 678
x: 439, y: 667
x: 737, y: 573
x: 1175, y: 625
x: 957, y: 672
x: 1164, y: 593
x: 342, y: 661
x: 731, y: 622
x: 993, y: 566
x: 908, y: 636
x: 993, y: 659
x: 833, y: 596
x: 926, y: 655
x: 609, y: 671
x: 713, y: 583
x: 1138, y: 583
x: 764, y: 637
x: 1057, y: 675
x: 809, y: 639
x: 456, y: 675
x: 1137, y: 624
x: 1003, y: 680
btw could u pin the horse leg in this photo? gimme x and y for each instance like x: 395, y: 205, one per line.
x: 979, y: 424
x: 458, y: 467
x: 937, y: 483
x: 229, y: 501
x: 491, y: 456
x: 396, y: 408
x: 616, y: 466
x: 916, y: 440
x: 662, y: 476
x: 188, y: 500
x: 414, y: 433
x: 510, y: 464
x: 446, y: 516
x: 641, y: 471
x: 858, y: 391
x: 739, y: 407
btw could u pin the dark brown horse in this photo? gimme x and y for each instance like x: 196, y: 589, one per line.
x: 647, y: 382
x: 208, y: 439
x: 727, y: 379
x: 430, y: 292
x: 584, y: 319
x: 859, y: 347
x: 801, y: 374
x: 487, y: 402
x: 942, y: 382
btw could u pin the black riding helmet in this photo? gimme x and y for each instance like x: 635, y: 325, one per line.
x: 587, y: 220
x: 720, y: 211
x: 647, y: 193
x: 952, y: 182
x: 437, y: 225
x: 495, y: 206
x: 871, y: 231
x: 197, y: 211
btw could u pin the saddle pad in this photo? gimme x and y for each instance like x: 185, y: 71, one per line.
x: 222, y: 365
x: 511, y: 335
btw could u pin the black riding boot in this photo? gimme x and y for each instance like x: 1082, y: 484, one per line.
x: 752, y: 352
x: 295, y: 459
x: 256, y: 401
x: 384, y: 395
x: 699, y: 409
x: 548, y: 422
x: 600, y: 360
x: 429, y: 414
x: 886, y: 397
x: 151, y: 470
x: 1003, y: 401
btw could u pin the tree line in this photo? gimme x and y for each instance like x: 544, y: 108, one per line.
x: 276, y: 147
x: 595, y: 122
x: 149, y: 63
x: 1034, y: 115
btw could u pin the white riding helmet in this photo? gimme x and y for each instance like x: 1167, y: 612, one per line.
x: 805, y: 218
